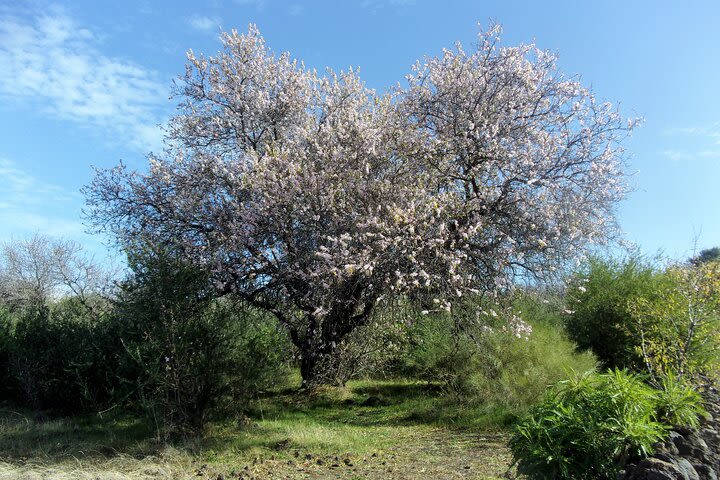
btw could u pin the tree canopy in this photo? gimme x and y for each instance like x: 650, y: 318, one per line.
x: 315, y: 197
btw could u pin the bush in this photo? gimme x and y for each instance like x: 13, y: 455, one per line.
x: 678, y: 403
x: 522, y: 369
x: 371, y: 349
x: 60, y: 358
x: 598, y: 302
x: 188, y: 355
x: 477, y: 355
x: 678, y: 324
x: 589, y: 427
x: 6, y: 381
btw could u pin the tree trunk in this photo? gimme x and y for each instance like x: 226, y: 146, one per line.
x: 318, y: 364
x: 320, y: 346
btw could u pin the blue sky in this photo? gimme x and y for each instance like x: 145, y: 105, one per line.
x: 86, y: 83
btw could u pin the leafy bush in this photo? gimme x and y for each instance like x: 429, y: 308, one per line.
x: 678, y: 403
x: 589, y: 427
x: 6, y: 381
x: 598, y: 300
x: 522, y: 369
x: 476, y: 355
x: 60, y: 358
x: 678, y: 324
x: 370, y: 350
x: 188, y: 355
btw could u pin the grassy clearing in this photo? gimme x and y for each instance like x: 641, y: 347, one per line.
x: 369, y: 429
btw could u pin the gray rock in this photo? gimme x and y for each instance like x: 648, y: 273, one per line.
x: 705, y: 472
x: 686, y: 468
x: 656, y: 469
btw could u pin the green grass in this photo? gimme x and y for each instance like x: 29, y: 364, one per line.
x: 301, y: 435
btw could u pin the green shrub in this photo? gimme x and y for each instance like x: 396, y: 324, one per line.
x: 438, y: 351
x: 589, y: 427
x: 475, y: 355
x: 190, y: 356
x: 678, y: 403
x: 59, y: 360
x: 515, y: 372
x: 598, y: 300
x: 370, y: 350
x: 678, y: 324
x: 6, y: 380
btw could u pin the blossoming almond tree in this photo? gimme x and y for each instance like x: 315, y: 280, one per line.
x: 314, y: 197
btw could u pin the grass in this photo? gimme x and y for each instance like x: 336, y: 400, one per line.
x: 368, y: 429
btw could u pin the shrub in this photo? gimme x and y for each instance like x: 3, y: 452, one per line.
x: 678, y: 324
x: 522, y: 369
x: 371, y: 349
x: 188, y: 355
x: 598, y: 300
x: 678, y: 403
x: 59, y: 360
x: 6, y: 381
x: 476, y: 355
x: 589, y: 427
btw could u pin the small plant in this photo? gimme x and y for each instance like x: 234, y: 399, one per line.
x: 677, y: 403
x: 589, y: 427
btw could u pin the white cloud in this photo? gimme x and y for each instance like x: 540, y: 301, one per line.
x: 676, y: 155
x: 700, y: 142
x: 204, y: 24
x: 710, y: 131
x: 683, y: 156
x: 52, y: 63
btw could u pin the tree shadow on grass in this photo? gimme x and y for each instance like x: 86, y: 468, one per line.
x: 23, y: 436
x: 367, y: 404
x: 331, y: 416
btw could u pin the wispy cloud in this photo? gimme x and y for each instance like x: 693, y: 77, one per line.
x: 710, y: 131
x: 686, y: 156
x: 29, y: 205
x: 204, y: 24
x: 698, y: 142
x: 52, y: 63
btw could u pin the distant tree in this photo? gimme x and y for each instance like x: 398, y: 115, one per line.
x: 313, y: 197
x: 705, y: 256
x: 39, y: 269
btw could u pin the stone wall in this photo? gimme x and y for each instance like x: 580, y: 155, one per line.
x: 688, y: 454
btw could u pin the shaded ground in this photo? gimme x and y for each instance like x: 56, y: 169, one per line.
x: 371, y: 430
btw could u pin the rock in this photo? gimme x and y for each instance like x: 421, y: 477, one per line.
x: 687, y: 453
x: 656, y: 469
x: 281, y: 445
x: 686, y: 468
x: 705, y: 472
